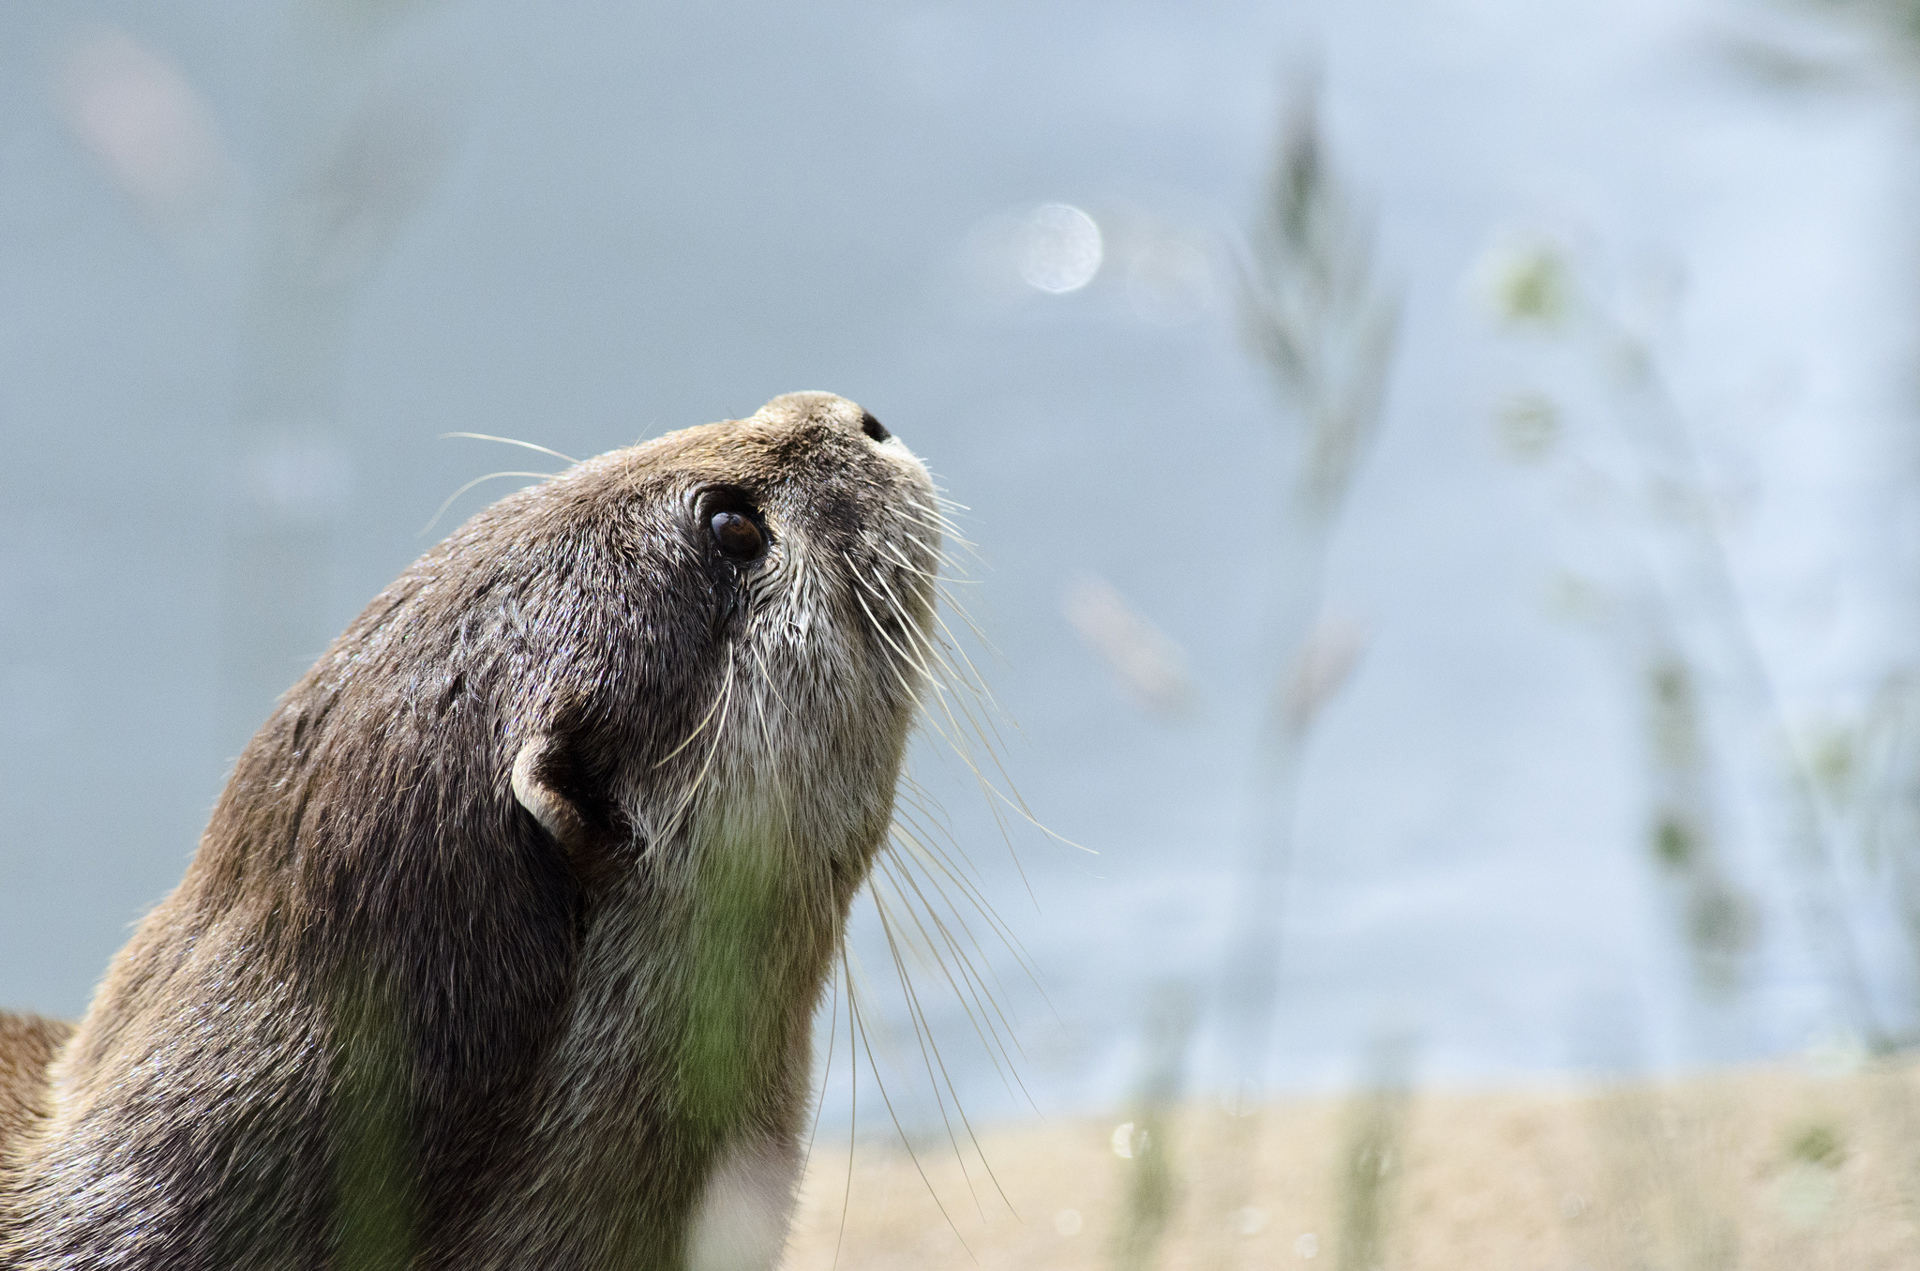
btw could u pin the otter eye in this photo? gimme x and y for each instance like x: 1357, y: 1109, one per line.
x: 873, y: 427
x: 738, y: 538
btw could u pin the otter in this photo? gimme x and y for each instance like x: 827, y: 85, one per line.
x: 503, y: 944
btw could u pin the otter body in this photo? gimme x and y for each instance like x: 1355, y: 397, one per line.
x: 502, y: 946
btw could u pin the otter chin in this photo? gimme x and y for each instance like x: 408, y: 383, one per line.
x: 503, y: 943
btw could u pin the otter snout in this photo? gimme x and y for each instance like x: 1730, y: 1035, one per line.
x: 804, y: 407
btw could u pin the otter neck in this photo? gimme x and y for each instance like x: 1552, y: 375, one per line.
x: 687, y: 1036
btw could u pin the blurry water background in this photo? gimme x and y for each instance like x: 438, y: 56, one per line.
x: 256, y: 258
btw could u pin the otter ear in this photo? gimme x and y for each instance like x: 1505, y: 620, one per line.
x: 539, y: 774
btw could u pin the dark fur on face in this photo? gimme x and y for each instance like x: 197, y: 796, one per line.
x: 502, y: 945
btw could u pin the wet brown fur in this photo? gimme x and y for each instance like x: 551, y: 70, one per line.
x: 28, y: 1044
x: 391, y: 1019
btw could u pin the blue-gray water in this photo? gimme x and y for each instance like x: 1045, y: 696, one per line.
x: 631, y: 219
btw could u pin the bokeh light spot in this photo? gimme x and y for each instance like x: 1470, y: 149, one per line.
x: 1060, y: 249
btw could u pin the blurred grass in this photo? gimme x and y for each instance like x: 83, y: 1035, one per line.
x: 1778, y: 1168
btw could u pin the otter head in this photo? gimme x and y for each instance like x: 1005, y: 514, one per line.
x: 725, y: 630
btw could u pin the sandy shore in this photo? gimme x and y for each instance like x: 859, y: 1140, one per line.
x: 1766, y: 1168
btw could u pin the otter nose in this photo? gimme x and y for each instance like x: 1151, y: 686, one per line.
x: 816, y: 407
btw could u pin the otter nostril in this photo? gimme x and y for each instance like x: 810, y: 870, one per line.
x: 873, y: 427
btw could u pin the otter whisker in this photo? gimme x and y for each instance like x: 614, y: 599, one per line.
x: 976, y: 684
x: 781, y: 792
x: 942, y: 505
x: 975, y: 983
x: 930, y: 658
x: 904, y: 883
x: 916, y: 1016
x: 900, y: 559
x: 898, y: 605
x: 880, y: 628
x: 1030, y: 819
x: 700, y: 727
x: 941, y: 528
x: 491, y: 476
x: 826, y: 1072
x: 936, y: 519
x: 934, y: 858
x: 960, y: 611
x: 930, y: 1055
x: 935, y: 551
x: 766, y: 678
x: 510, y: 441
x: 992, y: 745
x: 1015, y: 801
x: 931, y: 866
x: 674, y: 819
x: 956, y: 740
x: 914, y: 694
x: 927, y: 670
x: 912, y: 690
x: 864, y: 1036
x: 853, y: 1114
x: 918, y: 649
x: 987, y: 785
x: 930, y: 806
x: 945, y: 528
x: 983, y: 1025
x: 909, y: 567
